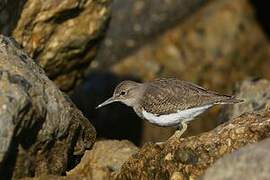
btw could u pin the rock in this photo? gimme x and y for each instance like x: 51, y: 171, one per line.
x: 242, y: 164
x: 41, y: 131
x: 62, y: 36
x: 135, y: 22
x: 256, y: 94
x: 212, y: 48
x: 190, y: 157
x: 106, y: 157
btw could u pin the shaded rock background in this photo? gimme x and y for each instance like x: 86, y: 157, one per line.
x: 61, y: 36
x: 255, y: 92
x: 135, y: 22
x: 41, y: 130
x: 250, y: 162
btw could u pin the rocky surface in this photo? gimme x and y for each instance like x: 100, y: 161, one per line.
x: 256, y: 94
x: 61, y: 35
x: 135, y: 22
x: 213, y: 48
x: 190, y: 157
x: 100, y: 163
x: 41, y: 131
x: 250, y: 162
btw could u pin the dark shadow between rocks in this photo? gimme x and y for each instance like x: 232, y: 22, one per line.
x: 7, y: 167
x: 262, y: 14
x: 115, y: 121
x: 10, y: 12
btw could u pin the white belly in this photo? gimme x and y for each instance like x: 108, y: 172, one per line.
x: 174, y: 118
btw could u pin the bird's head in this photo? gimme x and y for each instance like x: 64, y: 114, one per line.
x: 127, y: 92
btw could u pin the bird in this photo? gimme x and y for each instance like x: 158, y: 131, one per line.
x: 167, y: 102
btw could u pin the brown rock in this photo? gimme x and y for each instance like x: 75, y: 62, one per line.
x: 213, y: 48
x: 191, y: 156
x: 41, y: 131
x: 250, y: 162
x: 107, y: 156
x: 61, y: 35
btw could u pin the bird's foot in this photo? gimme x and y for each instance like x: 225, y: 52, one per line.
x: 160, y: 143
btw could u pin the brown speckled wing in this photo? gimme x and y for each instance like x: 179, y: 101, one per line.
x: 164, y: 96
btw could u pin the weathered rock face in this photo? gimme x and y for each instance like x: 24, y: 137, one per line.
x: 40, y: 128
x: 190, y: 157
x: 61, y: 35
x: 213, y: 48
x: 250, y: 162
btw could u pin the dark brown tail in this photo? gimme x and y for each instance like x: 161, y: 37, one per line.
x: 230, y: 100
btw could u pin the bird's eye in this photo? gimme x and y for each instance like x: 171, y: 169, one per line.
x: 123, y: 93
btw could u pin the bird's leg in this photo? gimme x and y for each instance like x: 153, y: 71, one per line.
x: 183, y: 127
x: 178, y: 133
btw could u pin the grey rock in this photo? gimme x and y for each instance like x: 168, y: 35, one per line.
x: 40, y: 128
x: 256, y: 96
x: 250, y: 162
x: 135, y: 22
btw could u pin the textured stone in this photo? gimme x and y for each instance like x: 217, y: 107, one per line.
x: 250, y: 162
x: 41, y: 131
x: 61, y: 35
x: 106, y: 157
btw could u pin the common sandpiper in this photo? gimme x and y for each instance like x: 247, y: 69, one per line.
x: 167, y: 101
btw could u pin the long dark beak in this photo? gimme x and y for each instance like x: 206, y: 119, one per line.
x: 108, y: 101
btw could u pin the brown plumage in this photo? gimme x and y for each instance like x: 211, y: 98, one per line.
x: 165, y: 96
